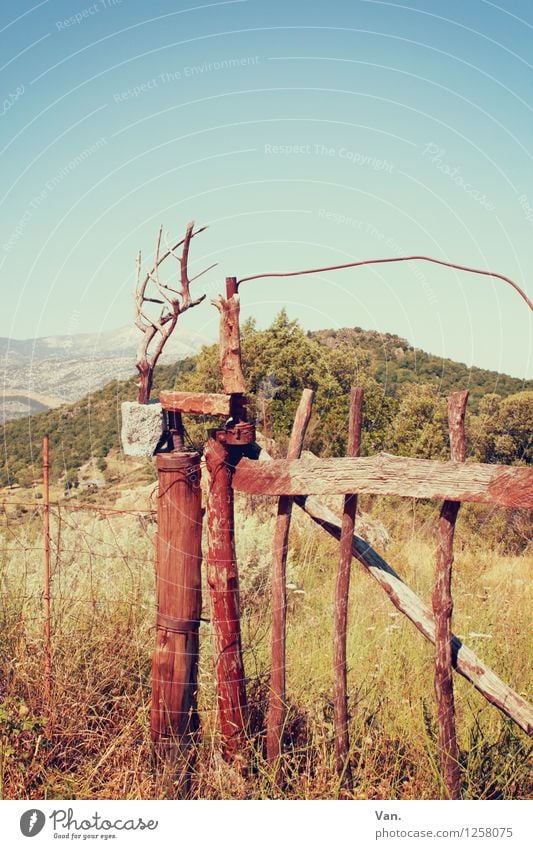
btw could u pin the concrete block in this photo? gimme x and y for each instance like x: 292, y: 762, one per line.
x: 142, y: 428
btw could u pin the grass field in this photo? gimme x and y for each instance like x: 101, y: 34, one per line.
x: 92, y: 740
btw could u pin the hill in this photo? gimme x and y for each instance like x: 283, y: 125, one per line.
x: 395, y: 362
x: 404, y: 407
x: 50, y: 371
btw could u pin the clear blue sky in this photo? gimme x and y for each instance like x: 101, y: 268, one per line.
x: 303, y: 134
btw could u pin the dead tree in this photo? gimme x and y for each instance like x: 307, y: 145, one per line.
x: 173, y: 303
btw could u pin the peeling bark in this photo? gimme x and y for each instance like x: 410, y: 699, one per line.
x: 222, y: 577
x: 230, y: 345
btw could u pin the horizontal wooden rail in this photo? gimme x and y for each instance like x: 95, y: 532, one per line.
x: 385, y: 474
x: 196, y: 403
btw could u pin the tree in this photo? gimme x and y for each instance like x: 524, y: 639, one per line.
x: 71, y: 480
x: 501, y: 432
x: 420, y: 427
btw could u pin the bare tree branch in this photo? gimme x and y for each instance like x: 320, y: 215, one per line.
x: 174, y: 301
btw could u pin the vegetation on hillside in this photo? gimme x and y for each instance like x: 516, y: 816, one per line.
x: 404, y: 409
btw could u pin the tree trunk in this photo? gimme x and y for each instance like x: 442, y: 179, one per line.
x: 146, y: 373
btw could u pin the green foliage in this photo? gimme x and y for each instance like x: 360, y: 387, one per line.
x: 21, y: 738
x: 420, y: 428
x: 501, y: 432
x: 71, y: 480
x: 404, y: 410
x: 88, y: 428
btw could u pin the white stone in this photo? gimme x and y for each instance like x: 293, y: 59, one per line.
x: 142, y: 428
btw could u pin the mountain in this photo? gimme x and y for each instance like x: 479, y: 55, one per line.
x: 41, y: 374
x: 404, y: 397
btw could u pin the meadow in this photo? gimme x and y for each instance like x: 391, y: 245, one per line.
x: 91, y: 739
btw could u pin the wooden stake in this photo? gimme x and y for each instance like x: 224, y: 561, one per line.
x: 342, y: 591
x: 230, y: 344
x: 46, y: 594
x: 231, y: 286
x: 443, y: 607
x: 276, y: 703
x: 174, y: 720
x: 222, y: 577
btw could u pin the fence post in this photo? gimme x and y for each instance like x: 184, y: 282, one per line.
x: 443, y: 607
x: 47, y: 639
x: 174, y: 717
x: 223, y: 580
x: 277, y: 698
x: 342, y: 591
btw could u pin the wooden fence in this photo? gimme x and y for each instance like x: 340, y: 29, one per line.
x: 230, y: 467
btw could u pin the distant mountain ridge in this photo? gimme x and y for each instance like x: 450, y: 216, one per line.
x: 46, y: 372
x: 88, y: 427
x: 43, y: 373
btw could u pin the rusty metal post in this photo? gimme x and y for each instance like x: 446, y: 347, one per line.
x: 221, y: 452
x: 47, y: 639
x: 443, y: 607
x: 174, y: 716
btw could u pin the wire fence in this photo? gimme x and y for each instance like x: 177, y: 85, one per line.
x: 101, y: 577
x: 99, y: 556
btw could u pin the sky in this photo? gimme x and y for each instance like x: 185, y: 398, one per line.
x: 303, y: 134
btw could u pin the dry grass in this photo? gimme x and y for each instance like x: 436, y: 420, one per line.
x: 91, y: 741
